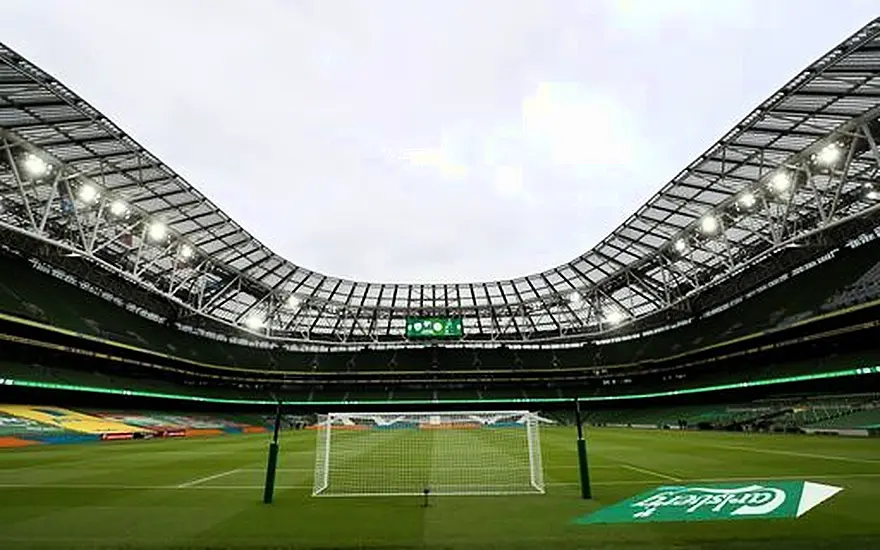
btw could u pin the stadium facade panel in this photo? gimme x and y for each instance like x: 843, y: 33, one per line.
x: 792, y: 179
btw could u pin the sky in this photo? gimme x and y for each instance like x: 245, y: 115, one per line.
x: 427, y: 141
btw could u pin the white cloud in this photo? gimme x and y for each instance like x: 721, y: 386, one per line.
x: 508, y: 182
x: 698, y: 16
x: 577, y: 127
x: 433, y: 157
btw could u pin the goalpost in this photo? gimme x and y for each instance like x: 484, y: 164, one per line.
x: 440, y: 453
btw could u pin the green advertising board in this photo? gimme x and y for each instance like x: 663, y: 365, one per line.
x: 714, y: 502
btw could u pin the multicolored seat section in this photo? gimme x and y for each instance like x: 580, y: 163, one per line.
x: 28, y: 425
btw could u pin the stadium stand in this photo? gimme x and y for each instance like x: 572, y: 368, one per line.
x: 16, y: 431
x: 868, y: 418
x: 68, y: 420
x: 33, y: 295
x: 794, y: 413
x: 865, y: 289
x: 28, y: 425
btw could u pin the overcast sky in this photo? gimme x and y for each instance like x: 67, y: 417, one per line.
x: 427, y: 141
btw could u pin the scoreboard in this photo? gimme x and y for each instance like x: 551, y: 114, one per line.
x: 434, y: 327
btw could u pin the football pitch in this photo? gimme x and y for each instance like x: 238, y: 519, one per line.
x: 206, y: 493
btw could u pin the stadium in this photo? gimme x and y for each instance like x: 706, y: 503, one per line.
x: 168, y: 381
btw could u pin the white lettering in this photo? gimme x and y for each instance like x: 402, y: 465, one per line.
x: 749, y: 500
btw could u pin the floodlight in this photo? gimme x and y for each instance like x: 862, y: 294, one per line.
x: 186, y: 251
x: 614, y: 317
x: 157, y: 231
x: 254, y: 322
x: 35, y: 166
x: 747, y: 200
x: 680, y: 245
x: 829, y: 154
x: 709, y: 224
x: 88, y: 193
x: 781, y: 182
x: 575, y: 299
x: 118, y: 208
x: 293, y: 302
x: 873, y: 195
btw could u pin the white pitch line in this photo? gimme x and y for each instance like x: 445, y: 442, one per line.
x: 550, y: 484
x: 90, y: 486
x: 433, y: 468
x: 204, y: 479
x: 650, y: 472
x: 277, y: 469
x: 826, y: 476
x: 137, y: 487
x: 793, y: 453
x: 199, y: 487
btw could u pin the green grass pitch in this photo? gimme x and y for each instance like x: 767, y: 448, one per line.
x: 206, y: 493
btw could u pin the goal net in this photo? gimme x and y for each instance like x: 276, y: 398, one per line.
x: 444, y: 453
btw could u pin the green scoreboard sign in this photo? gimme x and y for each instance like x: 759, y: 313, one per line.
x: 434, y: 327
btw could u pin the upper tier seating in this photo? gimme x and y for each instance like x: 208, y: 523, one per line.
x: 865, y: 289
x: 28, y: 293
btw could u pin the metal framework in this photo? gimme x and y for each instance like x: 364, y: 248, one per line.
x: 805, y: 161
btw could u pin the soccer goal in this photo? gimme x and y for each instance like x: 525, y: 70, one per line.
x: 441, y: 453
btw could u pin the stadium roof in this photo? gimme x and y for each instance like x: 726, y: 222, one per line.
x: 803, y: 161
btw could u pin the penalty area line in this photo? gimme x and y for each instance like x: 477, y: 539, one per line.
x: 277, y: 469
x: 654, y: 473
x: 206, y: 479
x: 783, y: 452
